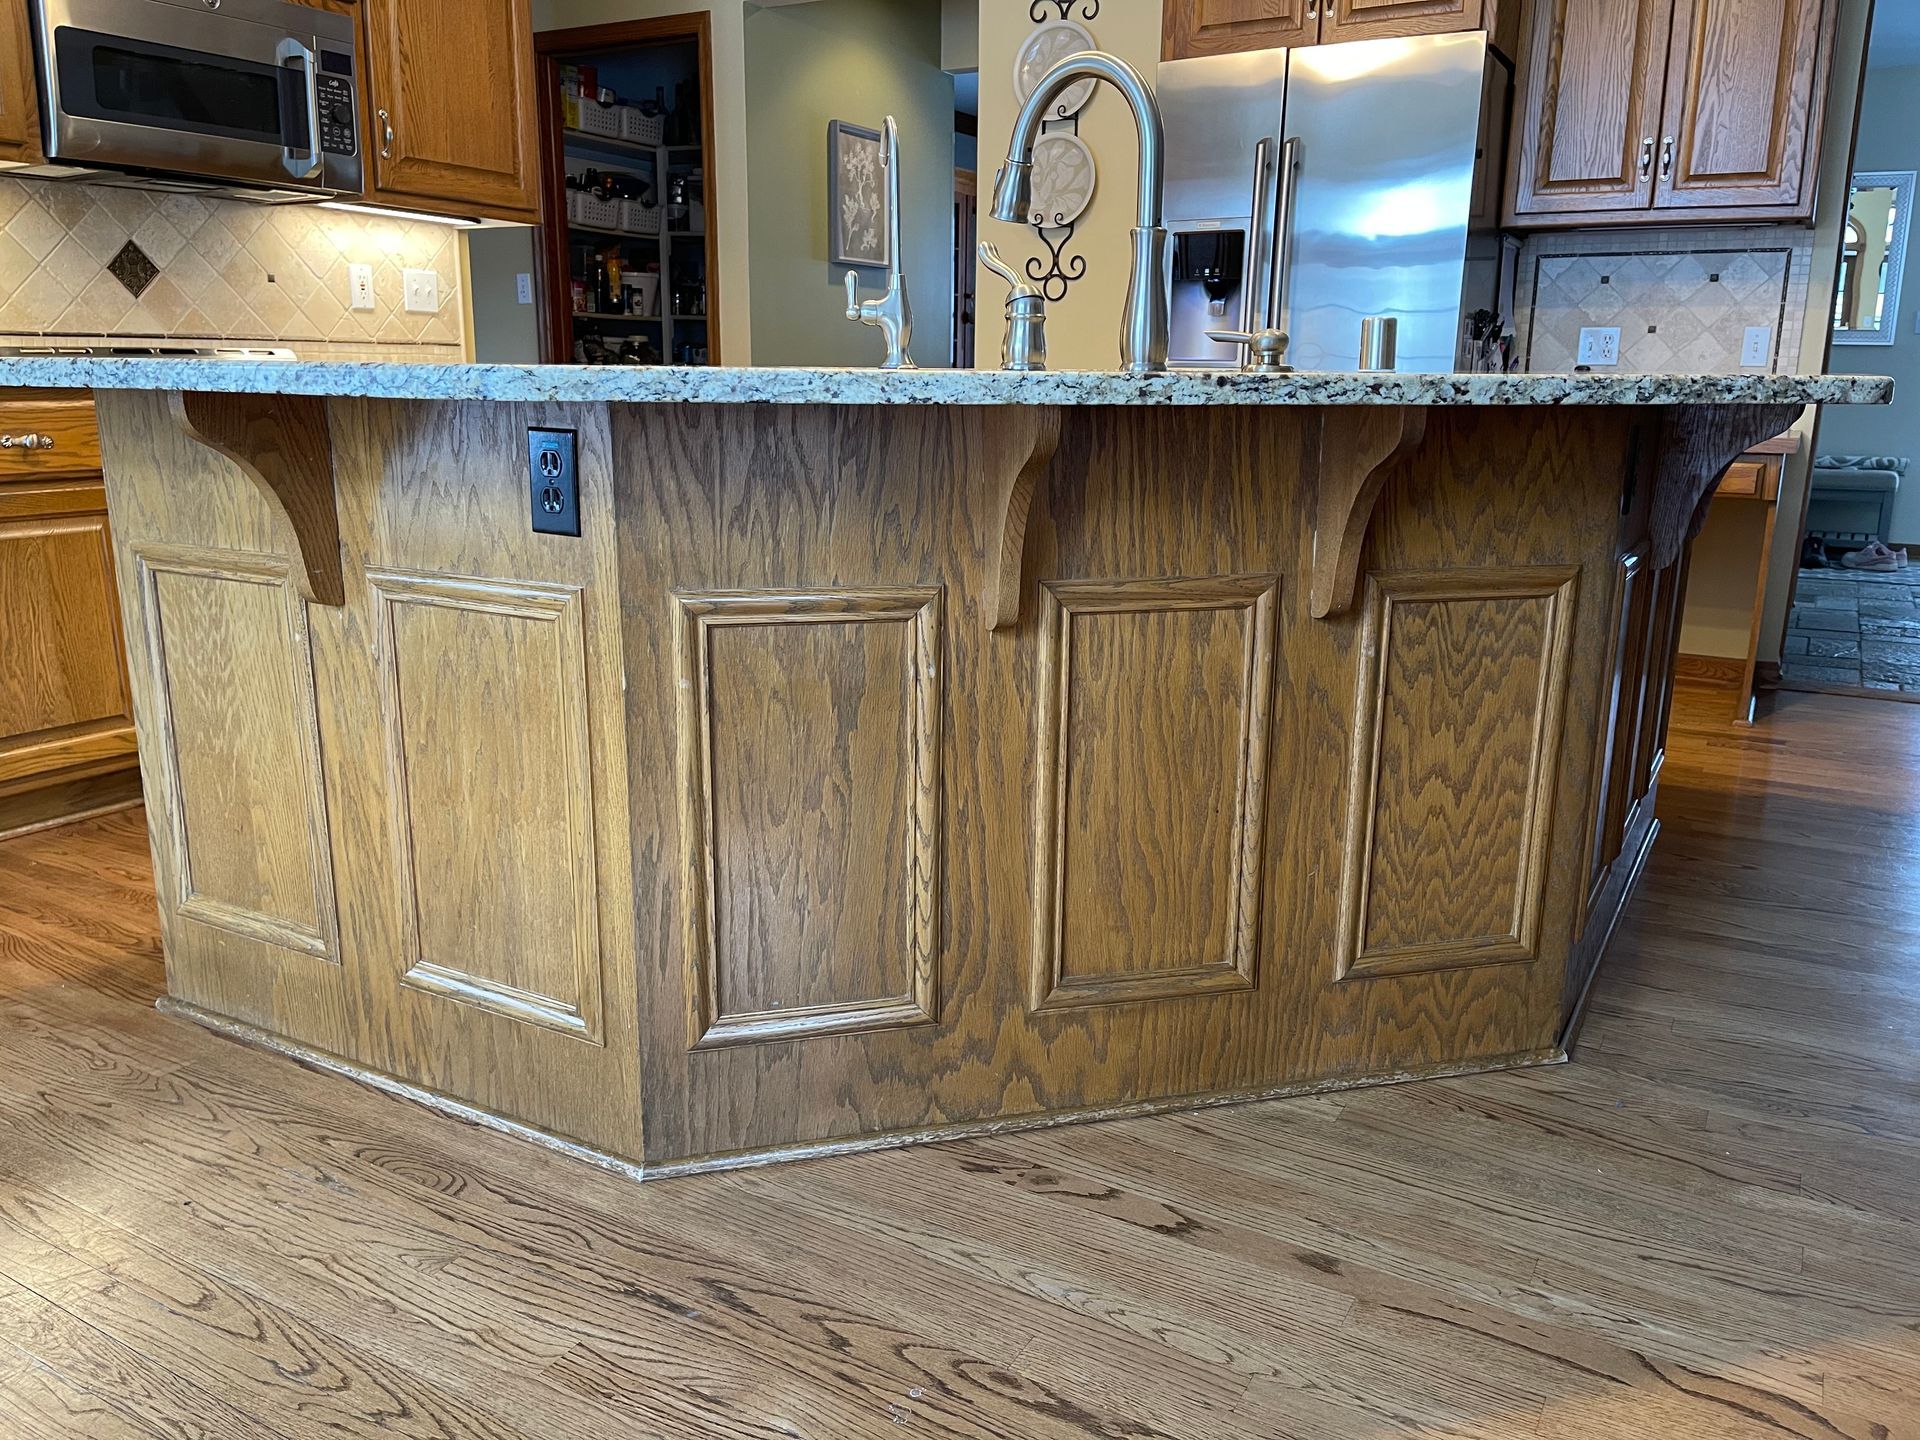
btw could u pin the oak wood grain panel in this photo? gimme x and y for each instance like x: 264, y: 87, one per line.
x: 1745, y: 100
x: 456, y: 78
x: 1587, y: 116
x: 69, y: 424
x: 1150, y: 821
x: 484, y: 698
x: 19, y: 117
x: 61, y: 665
x: 238, y: 747
x: 1224, y: 27
x: 1387, y: 19
x: 809, y: 746
x: 1455, y: 768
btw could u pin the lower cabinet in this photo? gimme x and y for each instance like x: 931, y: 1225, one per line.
x: 66, y: 724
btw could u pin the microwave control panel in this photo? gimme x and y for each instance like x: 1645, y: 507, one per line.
x: 339, y: 105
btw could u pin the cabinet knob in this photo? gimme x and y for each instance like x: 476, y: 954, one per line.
x: 26, y: 442
x: 386, y: 134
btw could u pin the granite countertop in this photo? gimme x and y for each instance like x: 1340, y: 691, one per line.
x: 674, y: 385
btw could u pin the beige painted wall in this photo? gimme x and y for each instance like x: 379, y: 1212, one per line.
x: 727, y: 170
x: 1083, y: 331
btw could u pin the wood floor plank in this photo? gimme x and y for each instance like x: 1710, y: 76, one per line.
x: 1704, y: 1228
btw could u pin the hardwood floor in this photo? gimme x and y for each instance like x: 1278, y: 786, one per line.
x: 1707, y: 1226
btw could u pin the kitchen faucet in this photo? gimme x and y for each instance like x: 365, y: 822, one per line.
x: 892, y: 312
x: 1143, y: 328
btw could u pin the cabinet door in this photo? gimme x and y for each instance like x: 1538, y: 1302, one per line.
x: 1383, y: 19
x: 1223, y: 27
x: 1589, y: 110
x: 452, y: 124
x: 1746, y: 89
x: 19, y: 130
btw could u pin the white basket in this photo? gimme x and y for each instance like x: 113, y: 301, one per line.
x: 594, y: 118
x: 638, y: 219
x: 588, y: 209
x: 641, y: 129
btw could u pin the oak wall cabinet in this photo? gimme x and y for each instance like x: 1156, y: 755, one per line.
x: 1666, y: 111
x: 19, y: 127
x: 1224, y: 27
x: 450, y: 102
x: 66, y: 722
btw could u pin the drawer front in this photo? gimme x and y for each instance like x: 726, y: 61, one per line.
x: 69, y: 424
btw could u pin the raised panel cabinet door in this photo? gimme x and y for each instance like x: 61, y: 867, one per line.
x: 19, y: 131
x: 1589, y: 110
x: 452, y: 124
x: 1746, y: 89
x: 1224, y: 27
x: 1385, y: 19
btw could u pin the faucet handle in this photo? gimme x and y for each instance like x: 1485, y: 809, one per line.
x: 1266, y: 349
x: 853, y: 296
x: 990, y: 257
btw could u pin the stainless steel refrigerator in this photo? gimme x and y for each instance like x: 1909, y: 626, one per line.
x: 1310, y: 189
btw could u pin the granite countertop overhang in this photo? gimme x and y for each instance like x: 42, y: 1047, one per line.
x: 679, y: 385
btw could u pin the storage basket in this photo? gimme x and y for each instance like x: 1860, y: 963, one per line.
x: 638, y: 219
x: 594, y: 118
x: 641, y: 129
x: 586, y: 208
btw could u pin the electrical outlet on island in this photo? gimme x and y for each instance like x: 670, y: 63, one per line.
x: 1600, y: 345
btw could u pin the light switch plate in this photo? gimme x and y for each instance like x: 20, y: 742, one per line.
x: 1600, y: 345
x: 360, y: 287
x: 423, y: 292
x: 523, y: 288
x: 1756, y: 350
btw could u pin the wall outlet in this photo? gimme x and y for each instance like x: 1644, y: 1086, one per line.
x: 523, y: 288
x: 1600, y: 345
x: 360, y: 287
x: 1757, y: 348
x: 423, y: 292
x: 553, y: 481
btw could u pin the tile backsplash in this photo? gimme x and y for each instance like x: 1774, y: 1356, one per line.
x: 1683, y: 299
x: 214, y: 269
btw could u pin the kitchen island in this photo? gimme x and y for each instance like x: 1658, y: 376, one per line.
x: 894, y: 756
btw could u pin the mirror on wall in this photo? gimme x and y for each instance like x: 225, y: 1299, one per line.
x: 1866, y: 309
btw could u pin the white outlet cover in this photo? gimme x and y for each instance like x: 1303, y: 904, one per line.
x: 1600, y: 345
x: 360, y: 287
x: 423, y: 292
x: 523, y: 288
x: 1756, y: 348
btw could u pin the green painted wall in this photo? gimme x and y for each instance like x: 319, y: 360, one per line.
x: 859, y: 61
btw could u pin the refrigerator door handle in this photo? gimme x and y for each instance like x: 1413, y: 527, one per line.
x: 1256, y: 295
x: 1276, y: 292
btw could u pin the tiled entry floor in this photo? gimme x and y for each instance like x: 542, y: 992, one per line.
x: 1855, y: 628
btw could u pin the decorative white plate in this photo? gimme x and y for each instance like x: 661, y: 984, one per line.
x: 1063, y: 179
x: 1046, y: 47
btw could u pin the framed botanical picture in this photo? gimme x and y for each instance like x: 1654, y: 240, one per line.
x: 856, y: 196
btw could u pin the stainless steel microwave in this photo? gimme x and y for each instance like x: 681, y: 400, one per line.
x: 224, y: 92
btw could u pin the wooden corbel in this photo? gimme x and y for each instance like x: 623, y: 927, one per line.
x: 1697, y: 445
x: 1358, y: 445
x: 282, y: 444
x: 1023, y: 439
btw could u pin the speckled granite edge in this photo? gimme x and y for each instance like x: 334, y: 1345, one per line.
x: 659, y: 385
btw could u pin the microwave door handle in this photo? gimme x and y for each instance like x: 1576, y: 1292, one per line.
x: 1283, y: 258
x: 303, y: 164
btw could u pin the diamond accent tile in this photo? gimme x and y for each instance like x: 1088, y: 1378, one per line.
x: 133, y: 269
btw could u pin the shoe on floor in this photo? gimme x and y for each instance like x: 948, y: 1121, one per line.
x: 1871, y: 557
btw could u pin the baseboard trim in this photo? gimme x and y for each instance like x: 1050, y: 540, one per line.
x: 67, y: 802
x: 1570, y: 1031
x: 315, y: 1059
x: 1715, y: 669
